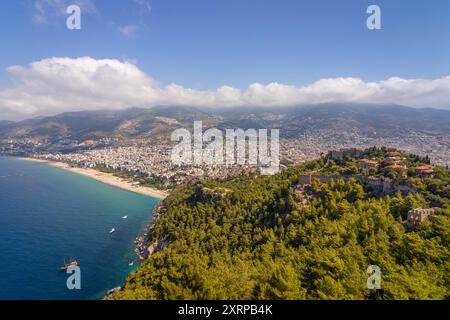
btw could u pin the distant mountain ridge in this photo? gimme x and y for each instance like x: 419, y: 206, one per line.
x: 380, y: 120
x: 5, y: 122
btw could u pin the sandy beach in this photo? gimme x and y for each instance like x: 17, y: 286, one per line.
x: 107, y: 178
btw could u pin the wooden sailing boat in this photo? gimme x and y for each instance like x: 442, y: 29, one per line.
x: 73, y: 263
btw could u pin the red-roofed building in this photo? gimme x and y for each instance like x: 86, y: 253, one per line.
x: 424, y: 171
x: 392, y: 154
x: 366, y: 164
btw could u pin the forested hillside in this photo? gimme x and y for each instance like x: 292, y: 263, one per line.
x: 259, y: 238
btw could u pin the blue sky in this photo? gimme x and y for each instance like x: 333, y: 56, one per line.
x: 206, y: 44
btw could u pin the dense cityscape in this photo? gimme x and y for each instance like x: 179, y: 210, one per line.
x: 155, y: 160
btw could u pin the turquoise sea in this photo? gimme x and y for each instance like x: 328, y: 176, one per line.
x: 47, y: 215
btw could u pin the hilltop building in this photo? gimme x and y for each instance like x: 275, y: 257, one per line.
x: 424, y: 171
x: 417, y: 216
x: 345, y: 154
x: 366, y: 164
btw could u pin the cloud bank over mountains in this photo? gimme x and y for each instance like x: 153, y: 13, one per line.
x: 56, y: 85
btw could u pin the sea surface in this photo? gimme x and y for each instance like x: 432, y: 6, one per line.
x: 48, y: 215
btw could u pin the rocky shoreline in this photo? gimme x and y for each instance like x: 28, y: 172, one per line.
x: 144, y: 247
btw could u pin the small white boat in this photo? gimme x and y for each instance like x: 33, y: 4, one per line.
x: 112, y: 230
x: 125, y: 217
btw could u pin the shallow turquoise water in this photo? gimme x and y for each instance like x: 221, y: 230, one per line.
x: 48, y: 215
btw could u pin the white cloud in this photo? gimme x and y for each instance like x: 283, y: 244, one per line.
x: 45, y: 11
x: 129, y: 30
x: 145, y: 6
x: 57, y: 85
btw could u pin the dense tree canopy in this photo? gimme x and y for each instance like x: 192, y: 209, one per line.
x: 260, y: 239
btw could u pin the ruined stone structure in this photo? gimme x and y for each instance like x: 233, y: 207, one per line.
x: 417, y: 216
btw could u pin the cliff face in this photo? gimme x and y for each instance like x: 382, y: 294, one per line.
x: 156, y: 246
x: 149, y: 245
x: 145, y: 245
x: 207, y: 195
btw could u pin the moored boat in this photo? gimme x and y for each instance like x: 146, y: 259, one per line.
x: 72, y: 264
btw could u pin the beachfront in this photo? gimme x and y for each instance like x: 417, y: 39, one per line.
x: 107, y: 178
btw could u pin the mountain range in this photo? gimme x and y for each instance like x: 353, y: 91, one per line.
x: 365, y: 119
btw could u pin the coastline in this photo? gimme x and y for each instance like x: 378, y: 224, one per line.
x: 107, y: 178
x: 129, y: 262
